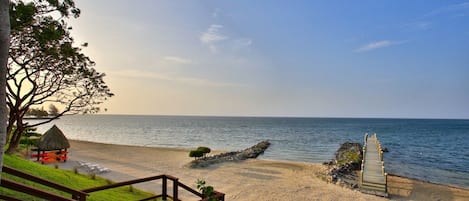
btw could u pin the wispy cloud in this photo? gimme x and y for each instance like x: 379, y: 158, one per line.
x: 419, y: 24
x: 460, y: 6
x: 212, y: 36
x: 173, y: 78
x: 177, y: 60
x: 244, y: 42
x: 377, y: 45
x: 432, y: 17
x: 450, y: 9
x: 216, y: 13
x: 241, y: 44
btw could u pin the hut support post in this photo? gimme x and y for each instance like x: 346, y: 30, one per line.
x: 65, y: 155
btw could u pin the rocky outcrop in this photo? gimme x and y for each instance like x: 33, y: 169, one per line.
x: 252, y: 152
x: 343, y: 170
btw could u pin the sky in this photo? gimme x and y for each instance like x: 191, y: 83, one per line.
x: 385, y: 59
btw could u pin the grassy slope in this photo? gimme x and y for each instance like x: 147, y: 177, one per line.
x: 67, y: 178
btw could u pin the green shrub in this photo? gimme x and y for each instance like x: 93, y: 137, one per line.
x: 350, y: 157
x: 207, y: 191
x: 196, y: 153
x: 204, y: 150
x: 28, y: 141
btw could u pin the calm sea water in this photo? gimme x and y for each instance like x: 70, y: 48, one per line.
x: 431, y: 150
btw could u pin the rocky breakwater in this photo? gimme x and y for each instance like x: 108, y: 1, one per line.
x: 252, y: 152
x: 344, y: 169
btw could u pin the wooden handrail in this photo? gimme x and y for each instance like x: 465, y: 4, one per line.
x: 124, y: 183
x: 164, y: 195
x: 82, y: 194
x: 32, y: 191
x: 78, y: 195
x: 377, y: 161
x: 39, y: 180
x: 187, y: 188
x: 4, y: 197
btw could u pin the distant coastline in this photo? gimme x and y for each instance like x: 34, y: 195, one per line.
x: 279, y: 116
x: 38, y: 118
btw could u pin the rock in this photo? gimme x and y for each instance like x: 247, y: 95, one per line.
x: 384, y: 149
x: 328, y: 163
x: 252, y: 152
x: 343, y: 169
x: 350, y: 153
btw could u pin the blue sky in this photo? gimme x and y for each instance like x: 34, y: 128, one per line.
x: 406, y: 59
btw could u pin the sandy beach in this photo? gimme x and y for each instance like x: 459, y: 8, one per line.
x: 248, y: 180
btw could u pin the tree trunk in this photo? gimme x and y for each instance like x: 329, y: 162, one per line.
x: 4, y: 48
x: 15, y: 139
x: 10, y: 125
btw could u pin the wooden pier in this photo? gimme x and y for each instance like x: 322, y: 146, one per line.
x: 373, y: 178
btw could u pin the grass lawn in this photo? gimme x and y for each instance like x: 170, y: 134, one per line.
x: 66, y: 178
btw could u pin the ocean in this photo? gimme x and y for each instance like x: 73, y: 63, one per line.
x: 427, y: 149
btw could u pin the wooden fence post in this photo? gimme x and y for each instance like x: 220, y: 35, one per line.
x: 175, y: 189
x: 164, y: 188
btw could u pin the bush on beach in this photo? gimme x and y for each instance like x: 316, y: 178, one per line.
x: 196, y: 154
x: 199, y: 152
x: 204, y: 150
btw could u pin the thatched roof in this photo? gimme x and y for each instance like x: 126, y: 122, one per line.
x: 53, y: 139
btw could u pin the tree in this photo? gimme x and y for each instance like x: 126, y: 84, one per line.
x: 196, y: 154
x: 204, y: 150
x: 44, y: 66
x: 4, y: 45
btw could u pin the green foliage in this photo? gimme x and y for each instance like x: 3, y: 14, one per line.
x: 66, y: 178
x: 350, y: 157
x: 196, y: 154
x: 30, y: 132
x: 44, y: 65
x: 26, y: 140
x: 207, y: 191
x: 204, y: 150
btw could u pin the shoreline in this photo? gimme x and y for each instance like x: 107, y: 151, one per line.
x: 271, y: 160
x: 253, y: 179
x: 429, y: 182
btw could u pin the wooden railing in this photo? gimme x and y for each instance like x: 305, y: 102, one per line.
x: 80, y: 195
x: 20, y: 187
x: 164, y: 188
x: 365, y: 143
x: 379, y: 162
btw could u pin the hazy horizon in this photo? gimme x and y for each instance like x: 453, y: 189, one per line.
x: 260, y: 116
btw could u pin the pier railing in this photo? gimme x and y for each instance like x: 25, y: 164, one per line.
x: 81, y: 195
x: 373, y: 177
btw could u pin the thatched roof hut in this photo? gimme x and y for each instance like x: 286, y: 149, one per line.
x: 53, y: 139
